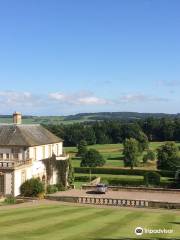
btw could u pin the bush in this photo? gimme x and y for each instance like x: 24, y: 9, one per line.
x: 152, y: 178
x: 10, y: 200
x: 32, y: 188
x: 52, y: 189
x: 61, y: 187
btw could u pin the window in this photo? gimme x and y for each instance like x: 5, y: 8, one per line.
x: 1, y: 155
x: 23, y: 176
x: 57, y: 149
x: 16, y: 155
x: 49, y: 151
x: 15, y: 150
x: 7, y: 156
x: 1, y: 184
x: 35, y: 155
x: 44, y: 152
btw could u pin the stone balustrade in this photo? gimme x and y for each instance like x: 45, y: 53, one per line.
x: 115, y: 202
x: 10, y: 164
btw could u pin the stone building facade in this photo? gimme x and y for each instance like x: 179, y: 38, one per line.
x: 23, y: 149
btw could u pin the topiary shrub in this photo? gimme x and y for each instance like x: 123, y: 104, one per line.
x: 152, y: 178
x: 32, y: 188
x: 52, y: 189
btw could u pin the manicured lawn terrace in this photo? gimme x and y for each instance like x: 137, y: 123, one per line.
x: 56, y: 222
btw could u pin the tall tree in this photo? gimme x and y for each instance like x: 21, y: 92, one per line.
x: 131, y: 151
x: 167, y: 156
x: 82, y: 148
x: 92, y: 158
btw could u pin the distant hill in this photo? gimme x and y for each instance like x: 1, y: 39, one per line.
x: 116, y: 115
x: 86, y: 117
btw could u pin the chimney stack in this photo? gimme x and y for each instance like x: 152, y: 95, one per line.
x: 17, y: 118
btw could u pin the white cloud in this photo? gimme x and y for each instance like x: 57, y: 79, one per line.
x: 13, y: 99
x: 92, y: 100
x: 133, y: 98
x: 80, y: 98
x: 59, y: 102
x: 57, y: 96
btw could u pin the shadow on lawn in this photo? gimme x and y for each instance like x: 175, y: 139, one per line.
x: 116, y: 158
x: 175, y: 223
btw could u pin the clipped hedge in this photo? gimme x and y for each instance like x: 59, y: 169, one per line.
x: 123, y: 182
x: 83, y: 178
x: 152, y: 178
x: 120, y: 171
x: 129, y: 182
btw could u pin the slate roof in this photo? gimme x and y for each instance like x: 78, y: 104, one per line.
x: 26, y: 135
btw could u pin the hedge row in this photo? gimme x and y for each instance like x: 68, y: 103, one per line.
x: 124, y: 182
x: 83, y: 178
x: 118, y: 171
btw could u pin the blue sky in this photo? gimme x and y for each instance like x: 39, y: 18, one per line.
x: 64, y: 57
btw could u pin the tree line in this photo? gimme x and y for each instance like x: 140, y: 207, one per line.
x: 115, y: 131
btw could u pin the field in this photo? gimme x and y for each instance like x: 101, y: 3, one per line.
x: 47, y: 120
x: 112, y: 153
x: 58, y: 222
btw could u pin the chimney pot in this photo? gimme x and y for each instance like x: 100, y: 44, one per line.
x: 17, y: 118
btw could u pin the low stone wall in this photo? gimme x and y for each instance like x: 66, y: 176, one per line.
x: 144, y: 189
x: 115, y: 202
x: 63, y: 198
x: 95, y: 181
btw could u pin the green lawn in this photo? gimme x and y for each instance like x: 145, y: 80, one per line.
x: 113, y: 154
x: 56, y: 222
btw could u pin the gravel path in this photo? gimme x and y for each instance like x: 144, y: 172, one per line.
x: 173, y: 197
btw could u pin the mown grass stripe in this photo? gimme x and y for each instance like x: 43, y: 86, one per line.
x: 18, y: 211
x: 159, y: 223
x: 32, y: 213
x: 52, y: 228
x: 116, y: 226
x: 43, y: 222
x: 35, y: 216
x: 87, y: 231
